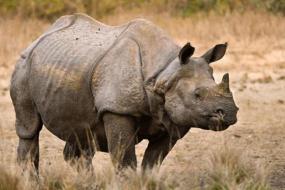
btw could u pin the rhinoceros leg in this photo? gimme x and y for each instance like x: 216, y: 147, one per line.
x: 79, y: 151
x: 120, y: 132
x: 156, y: 151
x: 28, y: 120
x: 28, y: 152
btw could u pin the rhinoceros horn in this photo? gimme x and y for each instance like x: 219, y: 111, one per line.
x: 224, y: 85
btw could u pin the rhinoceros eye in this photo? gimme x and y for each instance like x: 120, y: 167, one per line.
x: 197, y: 94
x: 200, y: 93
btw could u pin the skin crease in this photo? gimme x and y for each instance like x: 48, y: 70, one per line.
x: 104, y: 88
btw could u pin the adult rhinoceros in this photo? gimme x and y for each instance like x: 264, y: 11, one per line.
x: 106, y: 88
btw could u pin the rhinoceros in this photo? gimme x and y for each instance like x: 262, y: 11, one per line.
x: 106, y: 88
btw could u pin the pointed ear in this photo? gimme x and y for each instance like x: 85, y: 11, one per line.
x: 186, y: 52
x: 215, y: 53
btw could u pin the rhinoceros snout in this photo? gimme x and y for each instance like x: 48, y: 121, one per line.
x: 221, y: 119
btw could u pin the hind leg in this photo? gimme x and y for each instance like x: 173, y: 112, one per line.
x: 28, y: 152
x: 28, y: 121
x: 28, y: 126
x: 79, y: 151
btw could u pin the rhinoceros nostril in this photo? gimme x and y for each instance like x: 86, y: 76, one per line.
x: 220, y: 111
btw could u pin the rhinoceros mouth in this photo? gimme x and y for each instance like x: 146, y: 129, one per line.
x: 217, y: 122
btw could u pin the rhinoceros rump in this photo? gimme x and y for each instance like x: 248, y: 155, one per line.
x: 105, y: 88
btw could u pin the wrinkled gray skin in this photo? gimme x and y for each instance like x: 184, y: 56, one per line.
x: 103, y: 88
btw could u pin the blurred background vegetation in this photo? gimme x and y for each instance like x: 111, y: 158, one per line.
x: 50, y: 9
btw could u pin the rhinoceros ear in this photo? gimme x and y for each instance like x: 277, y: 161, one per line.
x: 186, y: 52
x: 215, y: 53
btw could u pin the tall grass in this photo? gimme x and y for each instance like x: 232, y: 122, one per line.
x: 258, y: 33
x: 228, y: 170
x: 16, y: 34
x: 8, y: 181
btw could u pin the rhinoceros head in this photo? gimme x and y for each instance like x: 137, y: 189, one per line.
x: 192, y: 97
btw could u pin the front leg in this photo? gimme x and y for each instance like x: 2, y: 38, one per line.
x: 121, y: 134
x: 156, y: 151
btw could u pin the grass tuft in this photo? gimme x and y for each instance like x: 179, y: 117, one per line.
x: 229, y: 169
x: 8, y: 181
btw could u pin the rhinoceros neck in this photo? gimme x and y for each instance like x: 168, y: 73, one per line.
x: 162, y: 70
x: 157, y: 49
x: 156, y: 100
x: 168, y: 71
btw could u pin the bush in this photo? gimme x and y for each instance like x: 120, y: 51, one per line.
x: 276, y: 6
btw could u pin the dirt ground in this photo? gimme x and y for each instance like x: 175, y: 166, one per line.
x: 258, y: 84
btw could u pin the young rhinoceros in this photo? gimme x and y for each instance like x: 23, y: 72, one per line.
x: 105, y: 88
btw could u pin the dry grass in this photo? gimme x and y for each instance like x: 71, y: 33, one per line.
x: 248, y: 33
x: 8, y: 181
x: 228, y: 170
x: 16, y: 34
